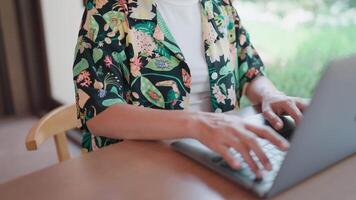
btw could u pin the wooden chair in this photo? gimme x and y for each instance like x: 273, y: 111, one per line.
x: 55, y: 124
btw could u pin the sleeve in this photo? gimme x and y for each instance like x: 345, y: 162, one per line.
x: 250, y: 64
x: 100, y: 68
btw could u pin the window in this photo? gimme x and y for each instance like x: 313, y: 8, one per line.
x: 297, y: 38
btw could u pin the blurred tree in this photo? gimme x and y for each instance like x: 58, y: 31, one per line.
x: 313, y: 5
x: 316, y: 7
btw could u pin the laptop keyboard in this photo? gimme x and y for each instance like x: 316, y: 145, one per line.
x: 275, y: 156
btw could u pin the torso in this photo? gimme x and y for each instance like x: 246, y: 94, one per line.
x: 126, y: 53
x: 183, y: 18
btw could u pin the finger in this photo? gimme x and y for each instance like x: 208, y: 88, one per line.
x: 273, y: 119
x: 241, y: 144
x: 293, y: 111
x: 301, y: 104
x: 256, y: 148
x: 228, y: 157
x: 270, y: 135
x: 245, y: 153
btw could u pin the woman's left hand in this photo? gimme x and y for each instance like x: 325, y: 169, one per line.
x: 276, y: 104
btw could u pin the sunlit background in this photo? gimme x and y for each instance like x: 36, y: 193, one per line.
x: 297, y: 38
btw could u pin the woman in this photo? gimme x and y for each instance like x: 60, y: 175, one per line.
x: 156, y: 70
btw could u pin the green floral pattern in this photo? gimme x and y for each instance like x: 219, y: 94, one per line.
x: 126, y: 55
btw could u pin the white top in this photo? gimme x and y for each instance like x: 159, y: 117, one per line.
x: 183, y: 18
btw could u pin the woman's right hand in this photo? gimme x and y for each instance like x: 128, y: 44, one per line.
x: 220, y: 132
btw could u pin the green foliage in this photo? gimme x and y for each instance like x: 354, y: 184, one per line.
x: 146, y: 27
x: 80, y: 66
x: 110, y: 102
x: 302, y: 55
x: 308, y: 4
x: 152, y: 94
x: 303, y: 70
x: 97, y: 54
x: 326, y: 7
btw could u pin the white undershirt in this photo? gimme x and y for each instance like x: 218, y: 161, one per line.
x: 183, y: 18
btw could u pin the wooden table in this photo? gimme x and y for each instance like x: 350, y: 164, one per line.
x: 151, y: 170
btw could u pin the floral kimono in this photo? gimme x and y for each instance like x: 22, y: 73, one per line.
x: 126, y: 55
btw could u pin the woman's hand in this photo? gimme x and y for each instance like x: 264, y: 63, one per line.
x: 275, y: 104
x: 220, y: 132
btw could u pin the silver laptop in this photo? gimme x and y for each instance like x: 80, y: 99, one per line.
x: 326, y: 135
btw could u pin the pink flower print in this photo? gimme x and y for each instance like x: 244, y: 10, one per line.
x: 186, y: 78
x: 174, y: 102
x: 251, y: 72
x: 216, y: 89
x: 82, y: 45
x: 153, y: 95
x: 175, y: 89
x: 135, y: 70
x: 136, y: 65
x: 84, y: 79
x: 108, y: 61
x: 143, y: 42
x: 220, y: 98
x: 218, y: 95
x: 158, y: 34
x: 100, y: 3
x: 242, y: 39
x: 122, y: 4
x: 136, y: 61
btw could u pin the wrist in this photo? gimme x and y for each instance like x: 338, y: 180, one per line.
x: 261, y: 89
x: 197, y: 124
x: 270, y: 93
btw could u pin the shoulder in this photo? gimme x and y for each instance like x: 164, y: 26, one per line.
x: 102, y: 16
x: 219, y: 6
x: 104, y: 6
x: 220, y: 2
x: 229, y: 7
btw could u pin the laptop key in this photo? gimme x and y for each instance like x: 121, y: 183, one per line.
x: 276, y: 157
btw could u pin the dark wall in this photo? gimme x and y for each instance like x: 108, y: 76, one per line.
x: 24, y: 77
x: 34, y: 51
x: 6, y: 107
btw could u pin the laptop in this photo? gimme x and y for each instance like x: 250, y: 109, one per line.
x: 326, y: 135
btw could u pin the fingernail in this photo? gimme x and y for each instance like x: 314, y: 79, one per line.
x: 237, y: 165
x: 269, y: 166
x: 279, y: 125
x: 285, y: 145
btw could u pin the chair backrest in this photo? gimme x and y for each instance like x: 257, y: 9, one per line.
x: 54, y: 123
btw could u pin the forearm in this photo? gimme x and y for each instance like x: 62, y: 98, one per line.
x: 219, y: 132
x: 126, y: 121
x: 259, y: 88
